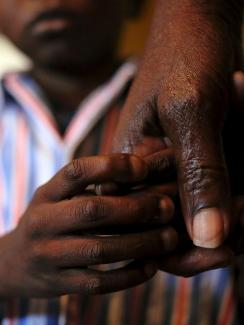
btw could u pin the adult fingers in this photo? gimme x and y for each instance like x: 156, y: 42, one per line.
x: 90, y: 281
x: 92, y: 250
x: 161, y: 166
x: 161, y: 169
x: 196, y: 260
x: 169, y: 189
x: 77, y: 175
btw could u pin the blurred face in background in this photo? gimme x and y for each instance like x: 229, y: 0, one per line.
x: 65, y: 33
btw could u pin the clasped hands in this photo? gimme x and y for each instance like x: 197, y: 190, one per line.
x: 134, y: 215
x: 131, y: 216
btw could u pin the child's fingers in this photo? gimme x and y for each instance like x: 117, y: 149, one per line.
x: 76, y: 176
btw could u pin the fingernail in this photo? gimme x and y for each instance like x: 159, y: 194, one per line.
x: 98, y: 190
x: 139, y: 168
x: 167, y: 209
x: 208, y: 228
x: 167, y: 142
x: 107, y: 189
x: 150, y: 269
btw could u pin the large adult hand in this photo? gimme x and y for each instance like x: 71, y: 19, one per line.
x: 58, y: 237
x: 188, y: 260
x: 181, y: 92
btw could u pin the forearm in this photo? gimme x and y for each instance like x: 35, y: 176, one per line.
x: 230, y: 10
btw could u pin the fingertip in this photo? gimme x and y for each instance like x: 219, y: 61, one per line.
x: 167, y: 209
x: 170, y: 238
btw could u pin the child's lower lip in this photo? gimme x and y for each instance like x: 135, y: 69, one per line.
x: 52, y: 25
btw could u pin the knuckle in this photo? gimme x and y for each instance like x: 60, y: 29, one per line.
x: 75, y: 170
x: 93, y: 209
x: 33, y: 225
x: 92, y: 285
x: 95, y: 251
x: 186, y: 112
x: 120, y: 160
x: 198, y: 176
x: 181, y: 107
x: 89, y: 211
x: 75, y: 212
x: 36, y: 255
x: 39, y: 193
x: 161, y: 165
x: 91, y: 252
x: 122, y: 164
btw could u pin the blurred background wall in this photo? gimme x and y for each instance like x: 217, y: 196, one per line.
x: 11, y: 59
x: 133, y: 38
x: 132, y: 43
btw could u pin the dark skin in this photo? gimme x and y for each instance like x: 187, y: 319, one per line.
x: 55, y: 258
x: 64, y: 68
x: 182, y: 91
x: 58, y: 256
x: 189, y: 260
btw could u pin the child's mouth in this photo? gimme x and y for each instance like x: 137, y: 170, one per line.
x: 52, y: 22
x: 55, y: 25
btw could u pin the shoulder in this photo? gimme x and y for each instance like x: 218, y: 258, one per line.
x: 11, y: 84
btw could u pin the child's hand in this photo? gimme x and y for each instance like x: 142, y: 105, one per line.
x: 56, y: 241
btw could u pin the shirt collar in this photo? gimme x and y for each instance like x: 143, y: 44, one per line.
x: 27, y: 94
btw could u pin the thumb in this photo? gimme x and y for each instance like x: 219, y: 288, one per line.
x: 202, y: 177
x: 204, y: 192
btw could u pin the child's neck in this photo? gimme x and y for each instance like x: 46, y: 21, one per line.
x: 66, y: 90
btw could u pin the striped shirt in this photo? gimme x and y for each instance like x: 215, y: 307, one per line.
x: 32, y: 151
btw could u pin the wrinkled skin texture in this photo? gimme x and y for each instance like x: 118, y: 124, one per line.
x: 189, y: 260
x: 58, y: 239
x: 182, y: 91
